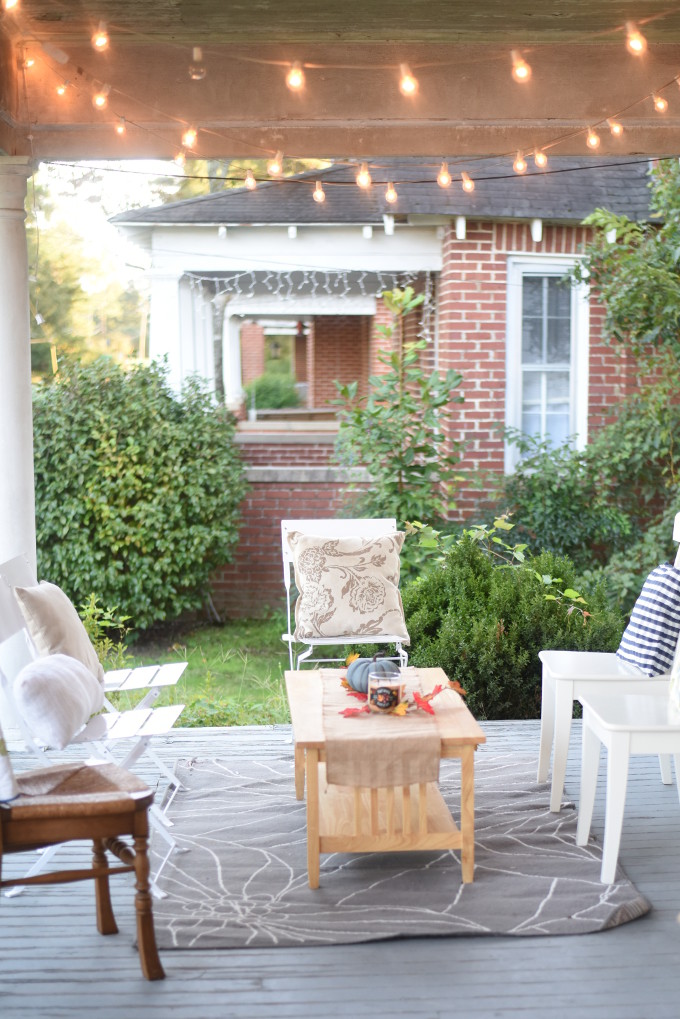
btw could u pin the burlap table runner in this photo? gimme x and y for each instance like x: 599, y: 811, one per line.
x: 376, y: 750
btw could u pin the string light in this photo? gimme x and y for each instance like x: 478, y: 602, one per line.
x: 363, y: 177
x: 197, y: 71
x: 660, y: 104
x: 100, y: 39
x: 444, y: 177
x: 26, y: 61
x: 467, y: 183
x: 540, y: 159
x: 408, y: 84
x: 250, y: 181
x: 520, y: 164
x: 180, y: 159
x: 275, y: 165
x: 121, y: 126
x: 9, y: 5
x: 189, y: 138
x: 319, y: 195
x: 616, y: 128
x: 61, y: 88
x: 100, y: 99
x: 391, y: 194
x: 521, y: 71
x: 592, y: 139
x: 635, y: 40
x: 295, y: 78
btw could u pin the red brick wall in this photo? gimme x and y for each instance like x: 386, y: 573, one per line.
x: 340, y: 352
x: 252, y: 351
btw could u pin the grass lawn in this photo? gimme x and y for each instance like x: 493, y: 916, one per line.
x: 234, y: 675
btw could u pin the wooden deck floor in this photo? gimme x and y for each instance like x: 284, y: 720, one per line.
x: 53, y: 964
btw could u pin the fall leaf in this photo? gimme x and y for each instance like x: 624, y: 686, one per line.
x: 455, y: 685
x: 401, y: 709
x: 359, y: 696
x: 352, y: 658
x: 421, y: 703
x: 351, y: 712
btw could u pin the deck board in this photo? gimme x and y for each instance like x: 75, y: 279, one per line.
x: 53, y: 963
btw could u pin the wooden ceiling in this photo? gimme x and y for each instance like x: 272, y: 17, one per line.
x: 467, y: 102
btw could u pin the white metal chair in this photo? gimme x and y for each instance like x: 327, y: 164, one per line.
x: 130, y: 731
x: 568, y: 676
x: 331, y: 528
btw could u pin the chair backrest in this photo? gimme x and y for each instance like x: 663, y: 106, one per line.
x: 16, y: 647
x: 332, y: 528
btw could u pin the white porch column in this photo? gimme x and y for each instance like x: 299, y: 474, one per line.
x: 233, y: 384
x: 164, y: 319
x: 17, y: 493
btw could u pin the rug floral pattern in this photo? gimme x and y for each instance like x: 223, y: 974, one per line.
x: 243, y: 881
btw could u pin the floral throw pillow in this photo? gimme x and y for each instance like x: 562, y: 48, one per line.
x: 347, y: 586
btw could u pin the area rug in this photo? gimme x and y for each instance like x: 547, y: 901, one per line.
x: 243, y: 881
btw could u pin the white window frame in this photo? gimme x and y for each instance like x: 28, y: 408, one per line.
x: 518, y: 267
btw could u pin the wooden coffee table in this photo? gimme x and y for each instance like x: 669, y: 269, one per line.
x: 344, y: 819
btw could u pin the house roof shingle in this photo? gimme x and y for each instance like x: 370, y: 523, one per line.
x: 567, y: 191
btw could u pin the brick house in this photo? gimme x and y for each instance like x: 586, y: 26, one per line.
x: 238, y: 276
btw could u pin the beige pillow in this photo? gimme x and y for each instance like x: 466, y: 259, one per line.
x: 56, y: 695
x: 347, y: 586
x: 55, y: 626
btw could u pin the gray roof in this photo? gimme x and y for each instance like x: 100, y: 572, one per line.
x: 568, y: 190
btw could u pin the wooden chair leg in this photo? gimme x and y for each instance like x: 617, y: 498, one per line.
x: 146, y: 936
x: 106, y: 922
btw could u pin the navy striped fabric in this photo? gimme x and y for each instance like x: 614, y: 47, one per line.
x: 651, y: 635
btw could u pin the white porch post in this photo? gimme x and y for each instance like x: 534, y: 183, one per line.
x: 165, y: 330
x: 17, y: 494
x: 233, y: 385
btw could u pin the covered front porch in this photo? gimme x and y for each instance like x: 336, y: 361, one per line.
x: 54, y: 963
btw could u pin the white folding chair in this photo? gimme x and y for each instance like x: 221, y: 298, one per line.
x: 331, y: 528
x: 567, y: 676
x: 131, y: 732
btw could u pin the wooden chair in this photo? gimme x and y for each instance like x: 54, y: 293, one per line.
x: 118, y: 737
x: 331, y: 528
x: 567, y: 676
x: 101, y: 802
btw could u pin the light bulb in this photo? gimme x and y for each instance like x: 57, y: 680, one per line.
x: 295, y: 78
x: 540, y: 159
x: 100, y: 100
x: 635, y: 40
x: 660, y: 104
x: 521, y: 71
x: 189, y: 138
x: 197, y: 71
x: 61, y: 88
x: 408, y: 84
x: 180, y: 159
x: 363, y: 177
x: 28, y: 62
x: 250, y: 181
x: 100, y: 39
x: 520, y: 164
x: 121, y: 126
x: 9, y: 5
x: 319, y: 195
x: 466, y: 182
x: 593, y: 139
x: 444, y: 177
x: 275, y: 165
x: 615, y: 128
x: 391, y: 194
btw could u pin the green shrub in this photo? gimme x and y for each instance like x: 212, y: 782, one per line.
x: 137, y: 489
x: 272, y: 392
x: 484, y: 619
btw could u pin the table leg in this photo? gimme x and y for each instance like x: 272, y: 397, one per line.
x: 299, y: 773
x: 590, y: 763
x: 467, y: 813
x: 547, y: 725
x: 564, y: 707
x: 313, y: 837
x: 618, y: 760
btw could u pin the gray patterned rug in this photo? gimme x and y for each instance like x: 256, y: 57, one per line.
x: 244, y: 880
